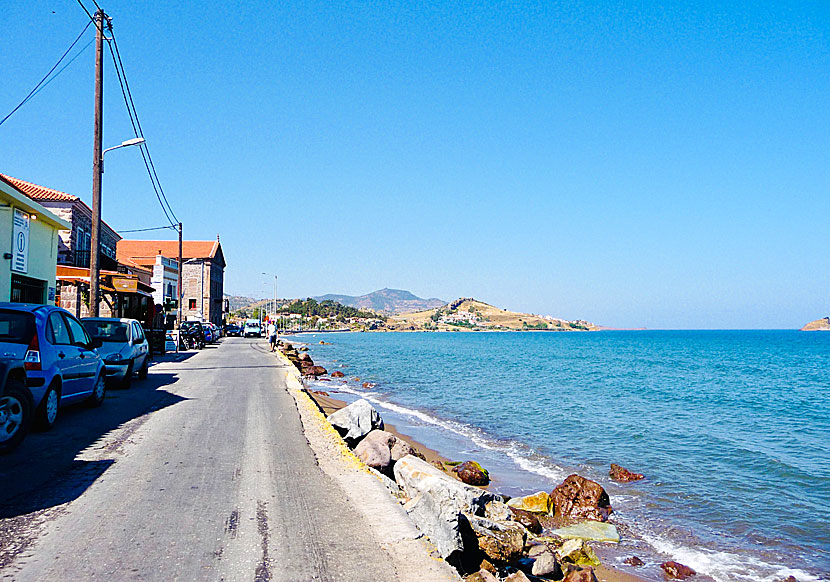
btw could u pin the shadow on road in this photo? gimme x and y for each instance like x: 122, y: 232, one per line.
x: 44, y: 471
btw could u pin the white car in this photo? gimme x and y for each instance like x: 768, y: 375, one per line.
x: 124, y: 347
x: 252, y: 330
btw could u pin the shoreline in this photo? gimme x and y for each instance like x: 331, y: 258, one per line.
x: 328, y: 404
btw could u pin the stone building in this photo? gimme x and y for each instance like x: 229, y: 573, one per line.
x: 73, y: 244
x: 203, y: 272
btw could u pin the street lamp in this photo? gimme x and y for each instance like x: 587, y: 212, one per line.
x: 275, y: 295
x: 95, y: 243
x: 124, y: 144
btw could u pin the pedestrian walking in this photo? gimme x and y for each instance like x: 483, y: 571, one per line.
x: 272, y: 335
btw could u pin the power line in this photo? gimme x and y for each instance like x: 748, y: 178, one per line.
x: 87, y: 11
x: 151, y: 228
x: 37, y: 87
x: 131, y: 105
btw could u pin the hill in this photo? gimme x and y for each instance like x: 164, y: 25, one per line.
x: 469, y: 314
x: 237, y: 302
x: 822, y: 324
x: 385, y: 301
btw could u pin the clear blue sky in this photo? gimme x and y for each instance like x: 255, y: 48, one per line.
x: 633, y: 164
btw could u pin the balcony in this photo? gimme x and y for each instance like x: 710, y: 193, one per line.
x: 105, y: 263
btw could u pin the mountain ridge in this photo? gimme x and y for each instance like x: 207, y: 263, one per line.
x: 385, y: 300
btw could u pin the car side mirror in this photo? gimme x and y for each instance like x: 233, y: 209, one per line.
x: 95, y: 343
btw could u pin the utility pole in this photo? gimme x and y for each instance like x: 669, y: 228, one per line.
x: 95, y: 245
x: 179, y: 284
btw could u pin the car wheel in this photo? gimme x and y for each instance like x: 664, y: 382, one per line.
x: 127, y: 381
x: 15, y: 415
x: 142, y: 373
x: 98, y: 392
x: 47, y: 412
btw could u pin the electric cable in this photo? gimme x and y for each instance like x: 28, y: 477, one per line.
x: 41, y: 84
x: 149, y: 229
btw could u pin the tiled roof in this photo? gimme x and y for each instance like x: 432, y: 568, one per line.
x: 144, y: 252
x: 39, y: 193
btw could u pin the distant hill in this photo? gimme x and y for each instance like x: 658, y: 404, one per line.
x: 467, y: 314
x: 385, y: 301
x: 822, y: 324
x: 238, y: 302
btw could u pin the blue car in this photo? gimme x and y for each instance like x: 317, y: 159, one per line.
x: 61, y: 361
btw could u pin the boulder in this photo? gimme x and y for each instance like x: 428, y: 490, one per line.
x: 579, y: 574
x: 375, y: 449
x: 580, y: 498
x: 537, y: 503
x: 400, y: 449
x: 597, y: 531
x: 618, y: 473
x: 577, y: 552
x: 355, y: 421
x: 546, y: 564
x: 497, y: 511
x: 368, y: 385
x: 501, y: 541
x: 313, y: 370
x: 337, y: 374
x: 481, y: 576
x: 677, y: 570
x: 634, y: 561
x: 527, y: 519
x: 437, y: 501
x: 472, y: 473
x: 304, y: 357
x: 791, y: 578
x: 517, y: 577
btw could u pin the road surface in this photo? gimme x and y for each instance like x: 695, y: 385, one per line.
x: 200, y: 472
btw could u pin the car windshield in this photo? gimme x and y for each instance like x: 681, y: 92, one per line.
x: 189, y: 324
x: 107, y: 331
x: 16, y: 327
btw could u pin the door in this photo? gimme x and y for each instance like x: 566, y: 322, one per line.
x: 141, y: 348
x: 67, y: 355
x: 87, y: 358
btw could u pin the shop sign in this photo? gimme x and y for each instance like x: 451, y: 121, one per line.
x: 20, y: 242
x: 125, y: 285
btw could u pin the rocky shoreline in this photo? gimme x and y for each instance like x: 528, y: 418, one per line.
x: 485, y: 536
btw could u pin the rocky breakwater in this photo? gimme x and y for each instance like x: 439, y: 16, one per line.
x: 487, y: 537
x: 302, y: 360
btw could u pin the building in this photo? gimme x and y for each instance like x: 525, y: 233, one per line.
x: 75, y: 242
x: 203, y: 272
x: 29, y: 235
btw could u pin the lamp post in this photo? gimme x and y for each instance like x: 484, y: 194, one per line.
x: 274, y: 307
x: 95, y: 243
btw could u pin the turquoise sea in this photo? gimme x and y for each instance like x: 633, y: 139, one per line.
x: 731, y: 429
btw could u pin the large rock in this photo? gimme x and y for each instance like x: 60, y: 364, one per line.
x: 577, y: 552
x: 579, y: 574
x: 517, y: 577
x: 537, y: 503
x: 677, y: 570
x: 337, y: 374
x: 437, y: 501
x: 634, y: 561
x: 546, y: 564
x: 355, y: 421
x: 472, y: 473
x: 314, y: 371
x: 380, y: 449
x: 498, y: 511
x: 618, y: 473
x: 481, y: 576
x: 501, y: 541
x: 527, y: 519
x: 580, y: 498
x: 597, y: 531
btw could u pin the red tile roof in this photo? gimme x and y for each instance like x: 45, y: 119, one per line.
x: 38, y: 193
x: 143, y: 252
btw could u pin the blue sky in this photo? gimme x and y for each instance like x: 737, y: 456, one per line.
x: 634, y: 164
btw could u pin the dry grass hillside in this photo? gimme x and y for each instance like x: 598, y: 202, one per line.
x: 467, y: 314
x: 822, y: 324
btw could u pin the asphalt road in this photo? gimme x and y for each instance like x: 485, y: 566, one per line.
x: 200, y: 472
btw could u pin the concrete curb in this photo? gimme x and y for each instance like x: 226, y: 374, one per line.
x: 413, y: 556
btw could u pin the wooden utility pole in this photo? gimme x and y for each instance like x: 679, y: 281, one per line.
x: 95, y: 245
x: 179, y: 284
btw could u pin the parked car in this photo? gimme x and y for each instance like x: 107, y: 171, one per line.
x: 16, y: 403
x: 61, y: 361
x: 208, y: 333
x: 233, y: 330
x: 125, y: 348
x: 252, y: 329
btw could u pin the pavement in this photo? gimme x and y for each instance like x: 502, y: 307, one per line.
x: 214, y: 468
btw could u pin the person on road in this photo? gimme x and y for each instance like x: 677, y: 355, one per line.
x: 272, y: 335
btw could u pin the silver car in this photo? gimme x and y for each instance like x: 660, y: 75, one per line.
x: 124, y: 347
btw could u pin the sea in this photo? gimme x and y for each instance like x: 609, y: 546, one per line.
x: 730, y: 428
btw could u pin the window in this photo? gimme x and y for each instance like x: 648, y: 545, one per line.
x: 138, y: 333
x: 56, y: 331
x: 191, y: 303
x: 27, y: 290
x: 79, y: 336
